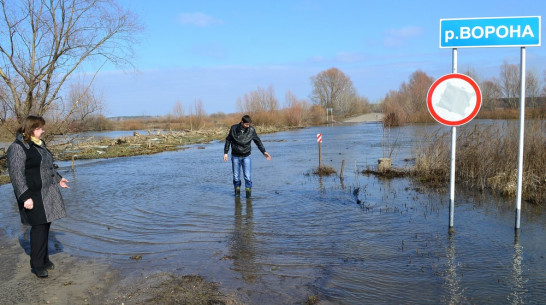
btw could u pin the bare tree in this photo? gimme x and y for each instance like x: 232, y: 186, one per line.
x: 296, y: 111
x: 543, y: 92
x: 491, y: 93
x: 290, y: 99
x: 359, y: 105
x: 472, y: 73
x: 178, y: 110
x: 4, y: 104
x: 393, y: 109
x: 532, y: 88
x: 259, y: 100
x: 509, y: 82
x: 197, y: 115
x: 42, y: 43
x: 333, y: 89
x: 416, y: 91
x: 84, y: 102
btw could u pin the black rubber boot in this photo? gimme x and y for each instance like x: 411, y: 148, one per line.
x: 237, y: 191
x: 248, y: 192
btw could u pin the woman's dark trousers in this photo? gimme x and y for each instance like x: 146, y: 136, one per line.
x: 39, y: 236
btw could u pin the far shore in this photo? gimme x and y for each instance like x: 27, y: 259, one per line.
x: 368, y: 117
x: 155, y: 141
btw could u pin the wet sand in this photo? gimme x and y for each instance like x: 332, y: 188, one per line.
x: 80, y: 281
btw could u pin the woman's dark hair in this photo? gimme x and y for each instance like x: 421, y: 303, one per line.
x: 28, y: 126
x: 246, y: 119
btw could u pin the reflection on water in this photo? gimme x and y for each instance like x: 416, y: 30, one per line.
x: 355, y: 240
x: 517, y: 296
x: 452, y: 279
x: 242, y: 248
x: 54, y: 245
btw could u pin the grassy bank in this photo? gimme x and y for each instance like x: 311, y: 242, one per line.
x: 486, y: 158
x: 149, y: 143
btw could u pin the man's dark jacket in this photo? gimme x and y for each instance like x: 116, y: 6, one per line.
x: 240, y: 139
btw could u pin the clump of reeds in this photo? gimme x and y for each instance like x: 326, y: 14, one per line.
x: 390, y: 173
x: 324, y: 170
x: 486, y: 158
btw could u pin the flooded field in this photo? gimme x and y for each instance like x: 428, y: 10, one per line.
x: 355, y: 240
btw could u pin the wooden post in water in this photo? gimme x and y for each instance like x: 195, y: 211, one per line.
x: 72, y: 162
x: 342, y: 167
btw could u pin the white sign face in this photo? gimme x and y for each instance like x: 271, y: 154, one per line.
x: 454, y: 99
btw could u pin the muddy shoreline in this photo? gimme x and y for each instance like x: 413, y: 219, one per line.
x: 83, y: 281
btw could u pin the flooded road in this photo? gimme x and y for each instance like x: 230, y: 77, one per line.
x: 356, y: 240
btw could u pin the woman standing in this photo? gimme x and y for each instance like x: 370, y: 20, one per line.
x: 35, y: 181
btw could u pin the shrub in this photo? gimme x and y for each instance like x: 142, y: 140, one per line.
x: 486, y: 158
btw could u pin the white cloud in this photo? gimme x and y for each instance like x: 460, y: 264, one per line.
x: 198, y: 19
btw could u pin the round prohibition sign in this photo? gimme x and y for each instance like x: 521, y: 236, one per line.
x: 454, y: 99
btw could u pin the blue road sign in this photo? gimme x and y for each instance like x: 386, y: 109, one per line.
x: 490, y: 32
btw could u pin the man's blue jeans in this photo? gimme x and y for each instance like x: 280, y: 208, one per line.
x: 246, y: 164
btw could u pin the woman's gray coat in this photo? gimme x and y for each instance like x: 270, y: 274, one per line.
x: 33, y: 176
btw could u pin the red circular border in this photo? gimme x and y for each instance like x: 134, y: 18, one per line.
x: 469, y: 117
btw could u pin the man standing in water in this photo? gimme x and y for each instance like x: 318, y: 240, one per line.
x: 239, y: 138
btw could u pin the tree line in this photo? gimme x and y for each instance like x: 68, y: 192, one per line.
x: 500, y: 95
x: 46, y: 46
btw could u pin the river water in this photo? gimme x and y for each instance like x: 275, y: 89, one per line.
x: 356, y: 240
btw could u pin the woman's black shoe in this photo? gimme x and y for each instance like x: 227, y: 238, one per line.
x: 40, y: 272
x: 49, y: 265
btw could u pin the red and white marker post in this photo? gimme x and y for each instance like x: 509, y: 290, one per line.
x: 319, y: 141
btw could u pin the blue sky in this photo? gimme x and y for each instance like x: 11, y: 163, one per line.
x: 216, y: 51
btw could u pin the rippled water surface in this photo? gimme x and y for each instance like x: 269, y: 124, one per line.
x: 356, y: 240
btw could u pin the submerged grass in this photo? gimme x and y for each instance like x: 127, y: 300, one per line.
x: 486, y: 158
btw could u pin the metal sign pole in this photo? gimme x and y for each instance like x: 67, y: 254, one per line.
x: 521, y: 137
x: 453, y: 146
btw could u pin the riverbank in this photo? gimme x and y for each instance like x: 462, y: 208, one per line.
x: 148, y: 143
x: 84, y: 281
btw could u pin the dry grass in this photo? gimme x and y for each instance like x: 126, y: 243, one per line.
x: 486, y: 158
x: 296, y: 116
x: 324, y: 170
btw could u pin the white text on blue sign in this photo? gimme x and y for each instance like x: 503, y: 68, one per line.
x: 490, y: 32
